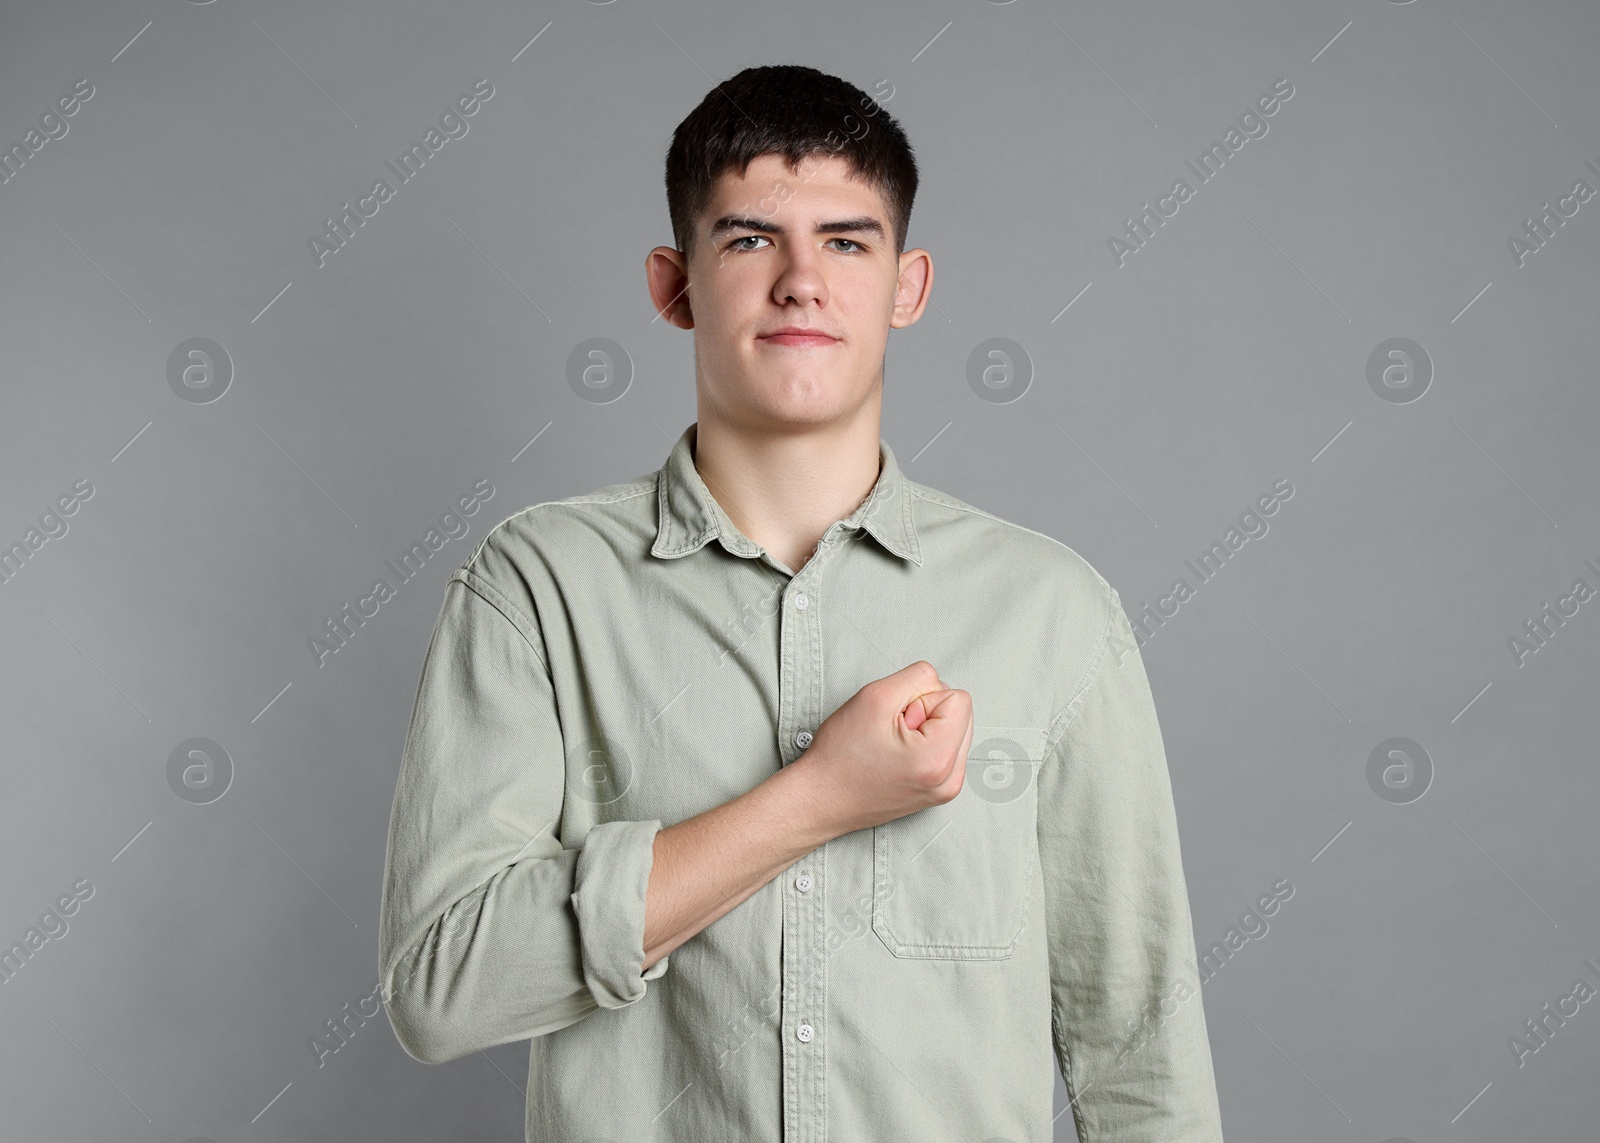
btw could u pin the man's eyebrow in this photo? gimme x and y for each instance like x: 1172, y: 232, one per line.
x: 865, y: 224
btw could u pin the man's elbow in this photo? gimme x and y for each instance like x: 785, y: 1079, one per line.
x: 432, y: 1030
x: 428, y: 1027
x: 420, y: 1032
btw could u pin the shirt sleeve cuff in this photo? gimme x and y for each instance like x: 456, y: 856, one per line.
x: 610, y: 883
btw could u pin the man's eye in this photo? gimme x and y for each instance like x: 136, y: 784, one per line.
x: 734, y: 245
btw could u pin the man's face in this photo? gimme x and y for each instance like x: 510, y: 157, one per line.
x: 776, y: 250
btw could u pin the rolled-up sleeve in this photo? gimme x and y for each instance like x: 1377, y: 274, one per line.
x: 1128, y: 1024
x: 490, y: 930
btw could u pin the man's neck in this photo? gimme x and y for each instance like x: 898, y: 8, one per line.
x: 784, y: 490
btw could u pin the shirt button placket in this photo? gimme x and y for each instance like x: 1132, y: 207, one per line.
x: 804, y: 898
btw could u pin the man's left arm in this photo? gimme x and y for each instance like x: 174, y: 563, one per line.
x: 1128, y: 1025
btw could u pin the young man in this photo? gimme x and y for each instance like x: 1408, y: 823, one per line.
x: 773, y: 795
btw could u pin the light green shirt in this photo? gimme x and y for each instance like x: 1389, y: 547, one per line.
x: 611, y: 663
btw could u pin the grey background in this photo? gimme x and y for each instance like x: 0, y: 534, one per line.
x: 431, y: 351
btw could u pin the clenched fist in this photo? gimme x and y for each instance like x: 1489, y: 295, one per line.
x: 898, y: 745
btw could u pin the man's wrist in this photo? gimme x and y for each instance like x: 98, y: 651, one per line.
x: 805, y: 806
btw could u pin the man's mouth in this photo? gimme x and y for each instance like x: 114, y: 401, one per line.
x: 796, y: 336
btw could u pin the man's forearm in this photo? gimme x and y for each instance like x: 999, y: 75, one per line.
x: 708, y: 864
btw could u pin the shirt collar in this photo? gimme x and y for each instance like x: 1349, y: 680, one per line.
x: 690, y: 516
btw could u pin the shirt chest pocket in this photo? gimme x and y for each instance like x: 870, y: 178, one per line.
x: 954, y: 882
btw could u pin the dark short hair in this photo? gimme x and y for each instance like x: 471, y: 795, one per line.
x: 796, y: 112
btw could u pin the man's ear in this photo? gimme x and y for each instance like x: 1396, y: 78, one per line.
x: 666, y: 272
x: 913, y: 288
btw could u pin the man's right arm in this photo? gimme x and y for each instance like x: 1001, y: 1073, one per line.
x: 710, y: 863
x: 490, y: 930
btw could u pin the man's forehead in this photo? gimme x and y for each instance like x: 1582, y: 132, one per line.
x: 821, y: 175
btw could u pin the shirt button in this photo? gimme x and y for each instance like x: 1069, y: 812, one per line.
x: 802, y: 601
x: 804, y: 1032
x: 803, y: 883
x: 803, y: 739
